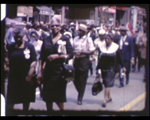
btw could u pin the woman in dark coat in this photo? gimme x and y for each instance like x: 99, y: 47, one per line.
x: 109, y: 56
x: 22, y: 62
x: 54, y: 84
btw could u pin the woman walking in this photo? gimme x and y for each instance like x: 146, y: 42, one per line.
x: 109, y: 55
x: 54, y: 84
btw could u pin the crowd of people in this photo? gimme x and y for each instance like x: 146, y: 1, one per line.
x: 39, y: 51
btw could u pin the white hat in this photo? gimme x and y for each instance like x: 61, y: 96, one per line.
x: 72, y: 23
x: 102, y: 32
x: 83, y: 27
x: 123, y: 28
x: 68, y: 33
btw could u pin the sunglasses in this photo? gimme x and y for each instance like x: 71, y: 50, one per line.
x: 55, y: 26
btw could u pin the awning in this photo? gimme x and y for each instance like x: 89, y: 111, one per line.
x: 43, y: 8
x: 9, y: 21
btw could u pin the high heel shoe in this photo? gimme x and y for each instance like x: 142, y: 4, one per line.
x: 109, y: 100
x: 104, y: 105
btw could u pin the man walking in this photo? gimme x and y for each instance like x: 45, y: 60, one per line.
x: 127, y: 51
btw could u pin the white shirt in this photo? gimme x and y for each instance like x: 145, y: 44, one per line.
x: 98, y: 42
x: 123, y: 38
x: 83, y: 44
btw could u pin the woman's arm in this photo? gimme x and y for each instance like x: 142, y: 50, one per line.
x: 57, y: 56
x: 31, y: 71
x: 33, y: 63
x: 40, y: 72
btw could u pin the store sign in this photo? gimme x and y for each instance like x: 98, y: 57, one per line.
x: 107, y: 9
x: 24, y: 11
x: 43, y: 12
x: 112, y: 10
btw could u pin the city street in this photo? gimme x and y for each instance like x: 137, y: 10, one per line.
x: 50, y: 29
x: 129, y: 98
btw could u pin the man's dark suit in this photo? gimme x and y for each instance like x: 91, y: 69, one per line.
x: 127, y: 52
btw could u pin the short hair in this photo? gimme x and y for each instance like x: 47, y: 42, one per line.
x: 34, y: 32
x: 55, y: 19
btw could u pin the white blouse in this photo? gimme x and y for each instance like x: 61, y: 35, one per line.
x: 83, y: 44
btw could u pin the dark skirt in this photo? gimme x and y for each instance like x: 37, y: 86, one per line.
x: 108, y: 78
x: 54, y: 85
x: 20, y: 91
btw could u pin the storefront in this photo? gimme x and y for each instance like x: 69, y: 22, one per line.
x: 43, y: 14
x: 107, y: 15
x: 137, y: 17
x: 25, y: 13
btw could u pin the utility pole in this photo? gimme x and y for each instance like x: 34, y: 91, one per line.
x: 50, y: 9
x: 28, y: 14
x: 96, y: 15
x: 115, y: 17
x: 63, y: 15
x: 134, y: 12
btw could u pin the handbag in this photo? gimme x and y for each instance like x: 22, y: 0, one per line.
x: 68, y: 71
x: 97, y: 86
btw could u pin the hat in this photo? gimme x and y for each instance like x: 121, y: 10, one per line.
x: 102, y: 32
x: 83, y: 27
x: 72, y: 24
x: 68, y: 33
x: 28, y: 24
x: 123, y: 28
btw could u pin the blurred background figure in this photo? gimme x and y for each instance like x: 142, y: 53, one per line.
x: 27, y: 31
x: 72, y: 29
x: 45, y: 32
x: 98, y: 41
x: 9, y: 35
x: 142, y: 45
x: 69, y: 35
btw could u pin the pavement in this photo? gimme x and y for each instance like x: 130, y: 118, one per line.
x: 130, y: 98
